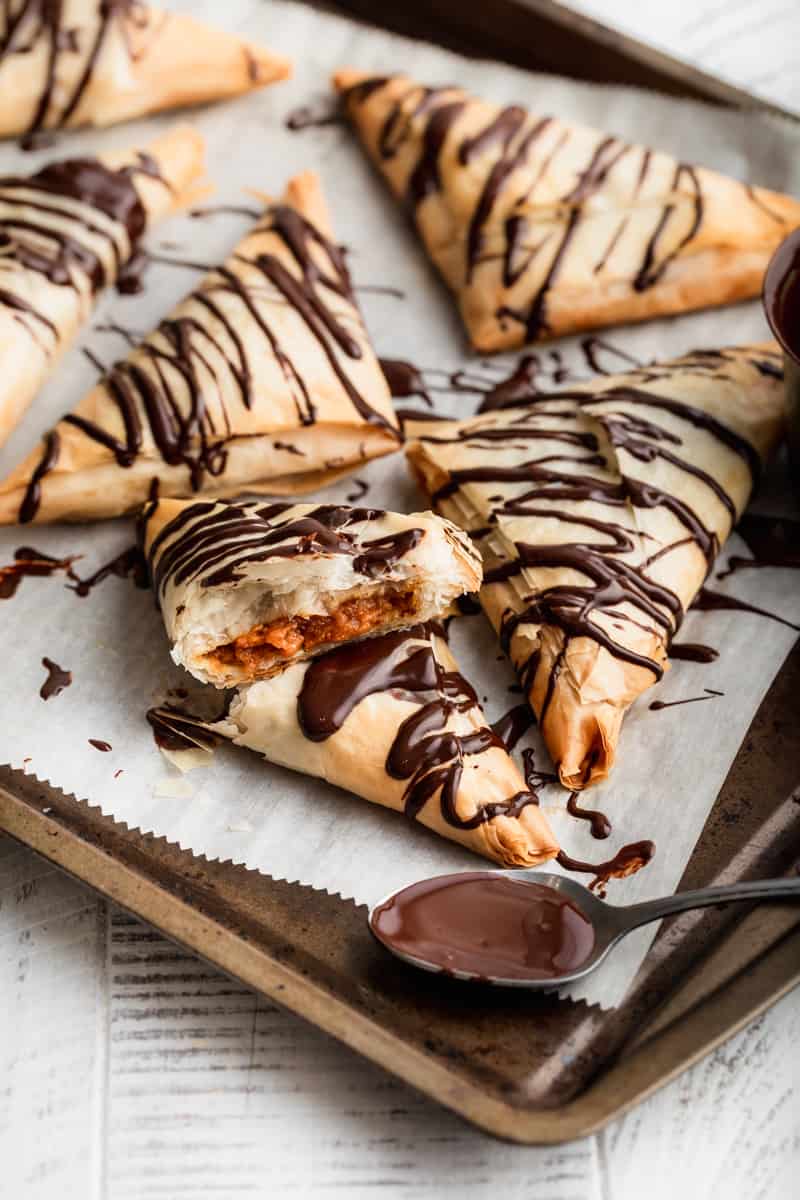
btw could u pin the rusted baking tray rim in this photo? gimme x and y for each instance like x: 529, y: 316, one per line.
x: 77, y: 837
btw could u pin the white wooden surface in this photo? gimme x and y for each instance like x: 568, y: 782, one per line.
x: 129, y: 1069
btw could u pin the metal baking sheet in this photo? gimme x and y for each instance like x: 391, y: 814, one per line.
x: 529, y: 1068
x: 532, y: 1069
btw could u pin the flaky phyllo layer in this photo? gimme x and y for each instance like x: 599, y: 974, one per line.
x: 246, y: 589
x: 542, y: 227
x: 599, y: 512
x: 391, y: 719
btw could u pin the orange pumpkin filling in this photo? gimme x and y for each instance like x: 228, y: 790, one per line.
x: 264, y: 645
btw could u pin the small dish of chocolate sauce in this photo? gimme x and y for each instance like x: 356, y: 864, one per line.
x: 526, y: 928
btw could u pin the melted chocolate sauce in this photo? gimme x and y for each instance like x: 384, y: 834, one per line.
x: 424, y: 752
x: 693, y: 652
x: 425, y: 119
x: 57, y: 679
x: 129, y: 563
x: 228, y: 210
x: 599, y: 824
x: 24, y: 24
x: 627, y: 861
x: 534, y: 778
x: 143, y: 386
x: 213, y: 544
x: 708, y: 601
x: 613, y: 582
x: 782, y: 294
x: 130, y: 278
x: 361, y: 489
x: 314, y: 116
x: 28, y: 561
x: 404, y: 379
x: 658, y: 705
x: 103, y: 747
x: 596, y: 350
x: 468, y: 605
x: 487, y: 926
x: 773, y: 543
x: 514, y: 724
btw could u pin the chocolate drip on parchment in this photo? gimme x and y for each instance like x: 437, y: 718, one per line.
x: 213, y: 543
x: 692, y: 652
x: 514, y: 724
x: 708, y: 694
x: 29, y: 561
x: 627, y: 861
x: 520, y: 153
x: 599, y: 824
x: 161, y: 386
x: 424, y: 752
x: 128, y: 564
x: 57, y: 679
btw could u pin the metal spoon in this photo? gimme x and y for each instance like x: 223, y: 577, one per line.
x: 610, y: 922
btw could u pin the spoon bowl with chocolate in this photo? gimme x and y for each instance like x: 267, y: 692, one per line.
x: 527, y: 928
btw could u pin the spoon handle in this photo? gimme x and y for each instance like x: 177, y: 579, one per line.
x: 758, y: 889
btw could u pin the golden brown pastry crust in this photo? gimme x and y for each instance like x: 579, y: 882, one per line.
x: 599, y: 512
x: 86, y: 62
x: 457, y: 779
x: 46, y: 295
x: 262, y: 378
x: 542, y: 228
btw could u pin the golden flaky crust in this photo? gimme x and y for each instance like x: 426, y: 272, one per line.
x: 293, y: 580
x: 542, y: 227
x: 492, y: 813
x: 41, y: 314
x: 599, y: 513
x: 84, y: 62
x: 263, y: 378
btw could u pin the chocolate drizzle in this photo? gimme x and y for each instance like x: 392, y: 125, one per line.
x: 609, y: 585
x: 404, y: 379
x: 23, y: 24
x: 516, y: 156
x: 514, y: 724
x: 129, y: 563
x: 314, y: 116
x: 599, y: 824
x: 160, y: 388
x: 57, y: 679
x: 425, y: 752
x: 627, y: 861
x: 708, y: 601
x: 709, y: 694
x: 28, y: 561
x: 693, y: 652
x: 42, y: 232
x: 213, y: 543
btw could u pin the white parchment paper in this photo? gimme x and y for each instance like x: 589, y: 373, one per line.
x: 671, y: 763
